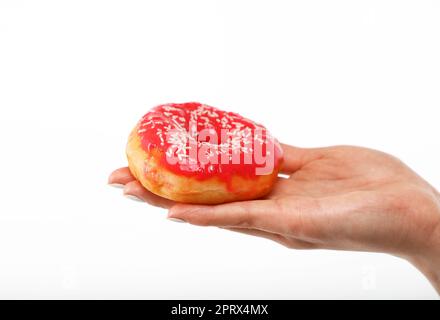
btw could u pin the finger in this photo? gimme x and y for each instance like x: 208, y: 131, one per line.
x: 258, y: 233
x: 121, y: 176
x: 289, y: 243
x: 258, y: 214
x: 295, y: 158
x: 135, y: 189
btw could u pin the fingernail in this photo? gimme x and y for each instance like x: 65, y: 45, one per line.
x: 177, y: 220
x: 116, y: 185
x: 132, y: 197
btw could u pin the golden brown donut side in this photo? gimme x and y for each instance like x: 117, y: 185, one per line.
x: 146, y: 167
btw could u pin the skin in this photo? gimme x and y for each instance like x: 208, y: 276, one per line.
x: 343, y: 197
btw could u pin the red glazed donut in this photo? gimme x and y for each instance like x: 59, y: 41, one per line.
x: 194, y: 153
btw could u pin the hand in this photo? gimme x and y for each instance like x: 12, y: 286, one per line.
x: 343, y: 197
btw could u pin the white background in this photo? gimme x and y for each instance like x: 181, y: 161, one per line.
x: 75, y: 76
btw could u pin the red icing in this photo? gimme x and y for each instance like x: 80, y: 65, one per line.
x: 167, y: 127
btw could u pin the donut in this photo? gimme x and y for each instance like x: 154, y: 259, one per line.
x: 194, y: 153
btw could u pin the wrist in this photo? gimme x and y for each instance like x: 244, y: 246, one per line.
x: 427, y: 259
x: 430, y: 267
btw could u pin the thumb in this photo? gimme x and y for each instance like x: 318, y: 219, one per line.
x: 295, y: 157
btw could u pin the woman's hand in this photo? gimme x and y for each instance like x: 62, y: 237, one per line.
x: 343, y: 197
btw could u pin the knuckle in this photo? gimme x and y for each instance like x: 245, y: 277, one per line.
x: 296, y: 223
x: 246, y: 217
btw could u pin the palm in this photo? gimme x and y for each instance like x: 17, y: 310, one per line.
x: 352, y: 196
x: 338, y: 197
x: 337, y: 171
